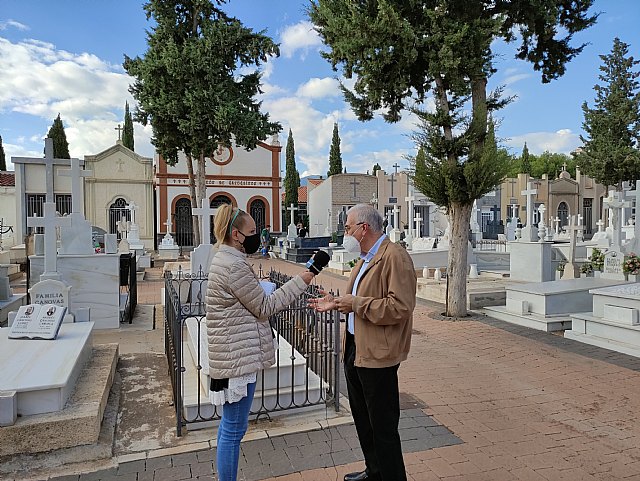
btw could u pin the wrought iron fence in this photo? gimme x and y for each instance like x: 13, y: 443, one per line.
x: 490, y: 245
x: 314, y: 338
x: 128, y: 287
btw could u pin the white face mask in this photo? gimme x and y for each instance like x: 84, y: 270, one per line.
x: 351, y: 244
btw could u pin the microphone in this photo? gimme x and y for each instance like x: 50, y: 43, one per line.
x: 318, y: 262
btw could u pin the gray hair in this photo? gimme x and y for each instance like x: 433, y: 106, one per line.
x: 367, y: 214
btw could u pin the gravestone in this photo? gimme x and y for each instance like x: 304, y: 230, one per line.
x: 571, y: 270
x: 634, y: 244
x: 613, y: 260
x: 529, y: 232
x: 77, y: 237
x: 37, y: 321
x: 292, y: 231
x: 5, y: 288
x: 394, y: 236
x: 410, y: 234
x: 110, y: 243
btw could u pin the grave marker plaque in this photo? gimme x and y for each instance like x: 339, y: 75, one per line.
x: 36, y: 321
x: 613, y: 263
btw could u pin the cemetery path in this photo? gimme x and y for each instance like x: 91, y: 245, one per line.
x: 482, y: 400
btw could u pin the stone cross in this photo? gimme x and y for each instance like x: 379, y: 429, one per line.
x: 76, y: 174
x: 120, y: 163
x: 616, y: 204
x: 410, y: 200
x: 168, y: 224
x: 418, y: 220
x: 205, y: 211
x: 556, y: 222
x: 396, y: 166
x: 600, y: 225
x: 396, y: 217
x: 119, y: 129
x: 389, y: 226
x: 570, y: 269
x: 392, y: 180
x: 514, y: 208
x: 292, y: 209
x: 50, y: 221
x: 123, y: 227
x: 529, y: 192
x: 354, y: 184
x: 133, y: 207
x: 327, y: 231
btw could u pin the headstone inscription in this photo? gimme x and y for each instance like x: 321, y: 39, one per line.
x: 37, y: 321
x: 613, y: 260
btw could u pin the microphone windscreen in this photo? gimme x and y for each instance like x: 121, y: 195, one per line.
x: 318, y: 262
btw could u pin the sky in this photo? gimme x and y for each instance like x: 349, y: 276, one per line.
x: 66, y: 57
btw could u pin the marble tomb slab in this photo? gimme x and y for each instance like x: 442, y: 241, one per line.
x: 44, y: 373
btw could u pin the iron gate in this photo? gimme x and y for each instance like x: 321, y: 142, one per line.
x: 315, y: 337
x: 257, y: 210
x: 117, y: 211
x: 184, y: 223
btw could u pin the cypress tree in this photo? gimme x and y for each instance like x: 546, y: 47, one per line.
x: 610, y: 153
x: 127, y: 134
x: 335, y: 158
x: 60, y: 144
x: 292, y: 177
x: 3, y: 160
x: 525, y: 161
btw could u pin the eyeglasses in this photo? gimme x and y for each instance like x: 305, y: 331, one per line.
x: 347, y: 228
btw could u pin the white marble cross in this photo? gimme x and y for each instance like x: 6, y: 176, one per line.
x: 133, y: 207
x: 396, y: 217
x: 570, y: 270
x: 76, y: 174
x: 600, y: 225
x: 123, y: 227
x: 410, y: 200
x: 418, y: 220
x: 513, y: 210
x: 292, y: 209
x: 529, y: 193
x: 616, y: 204
x: 50, y: 221
x: 556, y: 221
x: 205, y: 211
x: 168, y: 224
x: 327, y: 230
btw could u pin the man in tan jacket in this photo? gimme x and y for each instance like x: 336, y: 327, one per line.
x: 379, y: 308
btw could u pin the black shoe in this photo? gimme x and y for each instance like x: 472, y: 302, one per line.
x: 362, y: 476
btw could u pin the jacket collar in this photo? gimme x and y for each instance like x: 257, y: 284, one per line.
x: 231, y: 250
x: 376, y: 258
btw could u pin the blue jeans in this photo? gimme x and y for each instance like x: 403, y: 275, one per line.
x: 235, y: 418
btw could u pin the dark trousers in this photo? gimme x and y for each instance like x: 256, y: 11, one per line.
x: 375, y: 405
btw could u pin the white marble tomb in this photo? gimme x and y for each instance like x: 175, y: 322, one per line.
x: 44, y: 373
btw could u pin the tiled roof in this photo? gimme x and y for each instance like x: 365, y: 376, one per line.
x: 7, y: 179
x: 302, y: 194
x: 315, y: 181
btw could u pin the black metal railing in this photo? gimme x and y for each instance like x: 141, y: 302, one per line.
x: 304, y: 376
x: 128, y: 287
x: 489, y: 245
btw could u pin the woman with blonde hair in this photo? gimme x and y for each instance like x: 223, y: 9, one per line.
x: 238, y: 329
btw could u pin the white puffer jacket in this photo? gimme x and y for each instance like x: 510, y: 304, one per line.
x: 238, y: 310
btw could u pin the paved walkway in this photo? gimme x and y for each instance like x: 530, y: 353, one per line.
x: 505, y: 402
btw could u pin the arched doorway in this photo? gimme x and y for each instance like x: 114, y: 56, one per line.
x: 117, y: 211
x: 563, y: 214
x: 184, y: 222
x: 216, y: 202
x: 258, y: 211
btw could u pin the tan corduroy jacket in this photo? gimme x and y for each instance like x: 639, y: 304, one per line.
x: 383, y: 307
x: 238, y: 330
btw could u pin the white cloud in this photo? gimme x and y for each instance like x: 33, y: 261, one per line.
x: 14, y: 24
x: 88, y: 92
x: 516, y: 77
x: 562, y: 141
x: 300, y: 36
x: 317, y: 88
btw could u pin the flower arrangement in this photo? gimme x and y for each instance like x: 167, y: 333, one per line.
x: 561, y: 265
x: 586, y: 268
x: 597, y: 259
x: 631, y: 264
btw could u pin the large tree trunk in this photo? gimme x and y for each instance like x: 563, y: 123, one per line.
x: 194, y: 201
x: 460, y: 214
x: 201, y: 187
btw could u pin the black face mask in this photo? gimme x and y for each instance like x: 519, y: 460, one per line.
x: 251, y: 243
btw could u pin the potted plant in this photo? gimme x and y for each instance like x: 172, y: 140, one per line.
x: 631, y: 267
x: 597, y: 261
x: 586, y: 269
x: 334, y: 239
x: 560, y: 269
